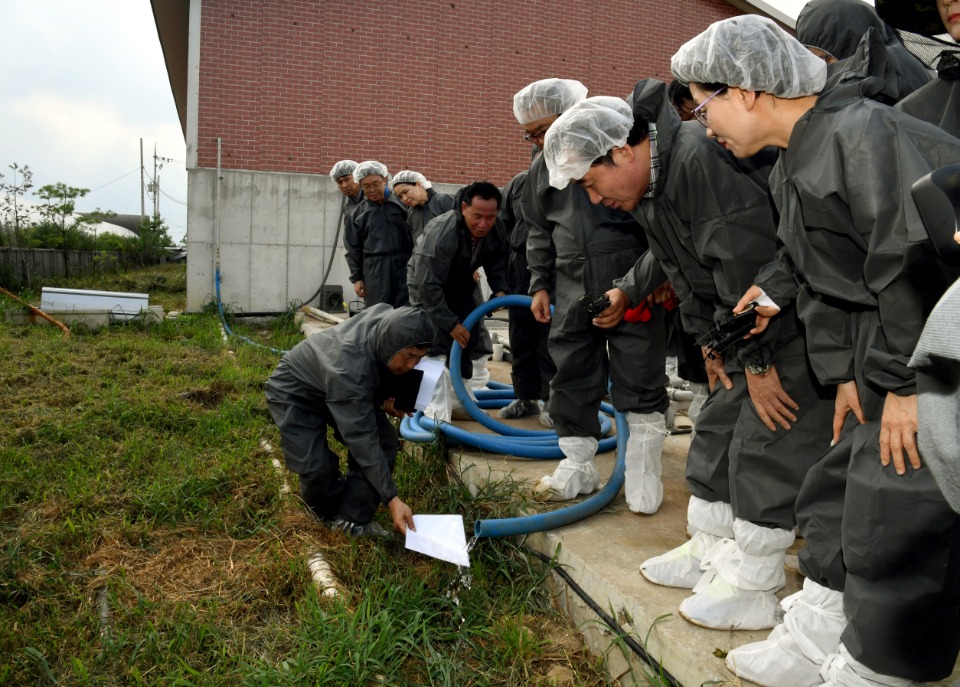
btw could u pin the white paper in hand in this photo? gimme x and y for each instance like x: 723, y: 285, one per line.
x: 439, y: 536
x: 432, y: 369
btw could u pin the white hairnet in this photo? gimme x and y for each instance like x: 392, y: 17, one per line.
x: 753, y: 53
x: 545, y: 98
x: 368, y: 167
x: 583, y: 133
x: 408, y: 176
x: 342, y: 169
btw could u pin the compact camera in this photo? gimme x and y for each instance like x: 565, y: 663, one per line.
x: 595, y: 302
x: 729, y: 330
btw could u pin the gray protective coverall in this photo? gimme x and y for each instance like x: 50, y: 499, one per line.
x: 712, y: 228
x: 378, y: 247
x: 838, y: 26
x: 418, y: 217
x: 440, y: 279
x: 581, y: 248
x: 867, y: 281
x: 532, y: 368
x: 939, y: 101
x: 331, y: 380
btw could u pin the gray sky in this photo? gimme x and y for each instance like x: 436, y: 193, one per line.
x: 82, y: 83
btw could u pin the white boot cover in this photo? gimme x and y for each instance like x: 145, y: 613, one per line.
x: 700, y: 393
x: 642, y: 483
x: 793, y: 653
x: 576, y: 474
x: 444, y: 404
x: 737, y: 590
x: 843, y: 670
x: 707, y: 524
x: 481, y: 374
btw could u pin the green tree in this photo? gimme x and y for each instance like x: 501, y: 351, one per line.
x: 60, y: 212
x: 13, y: 212
x: 153, y: 236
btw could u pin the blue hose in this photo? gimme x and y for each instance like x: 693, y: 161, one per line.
x: 226, y: 327
x: 540, y: 522
x: 525, y: 443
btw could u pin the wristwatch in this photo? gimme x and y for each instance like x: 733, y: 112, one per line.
x: 759, y: 370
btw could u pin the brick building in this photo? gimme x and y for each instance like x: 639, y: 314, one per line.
x: 272, y: 92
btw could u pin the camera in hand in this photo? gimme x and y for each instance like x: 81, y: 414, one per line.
x: 595, y: 302
x: 729, y: 330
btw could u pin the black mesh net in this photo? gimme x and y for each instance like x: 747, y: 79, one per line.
x: 937, y: 53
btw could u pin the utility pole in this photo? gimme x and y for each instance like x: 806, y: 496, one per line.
x: 156, y: 185
x: 142, y: 189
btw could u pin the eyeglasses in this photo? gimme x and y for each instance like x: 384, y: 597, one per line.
x: 700, y: 113
x: 531, y: 137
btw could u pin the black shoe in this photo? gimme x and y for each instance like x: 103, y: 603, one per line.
x: 518, y: 409
x: 372, y: 529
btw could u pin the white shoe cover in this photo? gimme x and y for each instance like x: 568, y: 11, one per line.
x: 480, y: 376
x: 576, y: 474
x: 793, y: 653
x: 843, y: 670
x: 774, y: 662
x: 642, y: 485
x: 740, y: 578
x: 679, y: 567
x: 707, y: 524
x: 721, y: 606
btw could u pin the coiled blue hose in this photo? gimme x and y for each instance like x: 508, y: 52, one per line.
x: 517, y: 442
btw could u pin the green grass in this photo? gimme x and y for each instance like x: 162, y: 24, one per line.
x: 145, y: 540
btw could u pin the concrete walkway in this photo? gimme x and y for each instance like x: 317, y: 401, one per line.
x: 603, y: 554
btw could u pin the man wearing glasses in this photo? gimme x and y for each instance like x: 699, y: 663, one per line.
x: 767, y: 421
x: 582, y: 249
x: 377, y: 240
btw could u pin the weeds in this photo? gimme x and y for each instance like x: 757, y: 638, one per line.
x: 145, y: 539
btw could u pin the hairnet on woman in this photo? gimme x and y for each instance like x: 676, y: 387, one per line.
x: 881, y: 591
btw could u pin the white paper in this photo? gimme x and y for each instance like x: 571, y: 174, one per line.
x: 439, y: 536
x: 432, y: 369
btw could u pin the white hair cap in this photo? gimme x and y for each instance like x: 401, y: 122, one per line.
x: 408, y: 176
x: 583, y: 133
x: 752, y: 53
x: 342, y: 169
x: 368, y: 167
x: 545, y: 98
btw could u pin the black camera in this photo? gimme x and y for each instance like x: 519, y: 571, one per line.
x: 595, y: 302
x: 729, y: 330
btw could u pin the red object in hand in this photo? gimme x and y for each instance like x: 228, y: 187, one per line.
x: 641, y: 313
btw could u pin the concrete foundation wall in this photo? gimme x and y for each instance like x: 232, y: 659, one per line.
x: 276, y: 235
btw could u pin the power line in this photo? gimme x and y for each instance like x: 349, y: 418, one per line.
x: 115, y: 180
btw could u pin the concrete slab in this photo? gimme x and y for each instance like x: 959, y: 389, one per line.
x: 603, y: 554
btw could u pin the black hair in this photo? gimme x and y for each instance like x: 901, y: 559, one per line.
x: 483, y: 190
x: 678, y: 92
x: 638, y: 133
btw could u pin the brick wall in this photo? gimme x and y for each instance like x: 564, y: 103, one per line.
x: 295, y: 85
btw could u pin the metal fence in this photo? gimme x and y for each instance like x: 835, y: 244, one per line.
x: 20, y: 266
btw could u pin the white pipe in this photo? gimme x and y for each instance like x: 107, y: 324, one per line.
x: 322, y: 575
x: 321, y: 315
